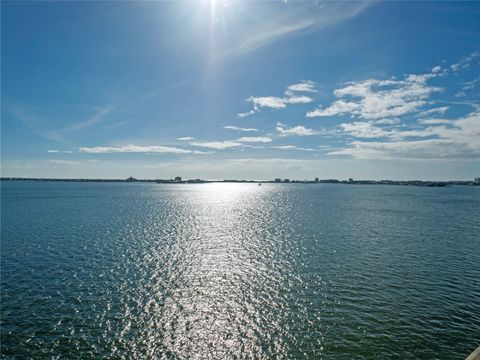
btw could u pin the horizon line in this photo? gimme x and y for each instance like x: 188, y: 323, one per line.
x: 178, y: 179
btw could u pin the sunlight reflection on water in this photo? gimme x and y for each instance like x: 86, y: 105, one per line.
x: 223, y: 280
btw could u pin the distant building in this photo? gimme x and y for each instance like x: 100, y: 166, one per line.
x: 178, y: 179
x: 330, y: 181
x: 286, y: 180
x: 317, y: 180
x: 350, y: 180
x: 476, y: 181
x: 278, y: 180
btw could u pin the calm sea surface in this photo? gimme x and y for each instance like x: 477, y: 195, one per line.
x: 219, y: 271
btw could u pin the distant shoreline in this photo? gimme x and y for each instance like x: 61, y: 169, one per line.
x: 475, y: 182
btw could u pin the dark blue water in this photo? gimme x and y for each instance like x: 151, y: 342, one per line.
x: 137, y: 271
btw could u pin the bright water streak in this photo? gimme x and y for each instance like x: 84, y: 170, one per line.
x: 92, y: 270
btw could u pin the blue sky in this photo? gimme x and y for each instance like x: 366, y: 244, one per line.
x: 251, y: 90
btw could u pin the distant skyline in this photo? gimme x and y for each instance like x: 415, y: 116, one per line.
x: 245, y: 90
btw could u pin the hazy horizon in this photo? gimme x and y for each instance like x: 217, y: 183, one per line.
x: 229, y: 179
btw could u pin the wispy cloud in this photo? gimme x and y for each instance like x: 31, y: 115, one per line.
x: 271, y: 24
x: 263, y: 38
x: 255, y: 139
x: 133, y: 149
x: 200, y: 152
x: 296, y: 130
x: 304, y: 86
x: 185, y: 138
x: 245, y: 114
x: 438, y: 110
x: 236, y: 128
x: 54, y: 151
x: 467, y: 87
x: 220, y: 145
x: 434, y: 121
x: 291, y: 147
x: 228, y: 144
x: 38, y: 125
x: 369, y: 129
x: 465, y: 62
x: 99, y: 115
x: 364, y: 130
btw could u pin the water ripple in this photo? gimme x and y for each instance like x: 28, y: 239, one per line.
x: 239, y: 271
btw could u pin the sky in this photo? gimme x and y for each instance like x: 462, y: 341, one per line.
x: 240, y: 90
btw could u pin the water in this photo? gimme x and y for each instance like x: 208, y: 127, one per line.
x: 132, y: 271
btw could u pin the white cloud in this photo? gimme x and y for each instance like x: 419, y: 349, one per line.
x: 185, y: 138
x: 296, y: 130
x: 465, y: 62
x: 364, y: 130
x: 284, y: 147
x: 393, y: 150
x: 54, y: 151
x: 434, y: 121
x: 436, y: 69
x: 220, y: 145
x: 298, y: 100
x: 339, y: 107
x: 389, y: 121
x: 133, y: 149
x: 262, y: 139
x: 467, y: 87
x: 304, y: 86
x: 245, y: 114
x: 439, y: 110
x: 199, y: 152
x: 464, y: 132
x: 291, y: 147
x: 460, y: 139
x: 377, y: 99
x: 369, y: 129
x: 231, y: 127
x: 267, y: 101
x: 277, y: 102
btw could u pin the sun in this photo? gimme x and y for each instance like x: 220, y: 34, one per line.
x: 213, y: 8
